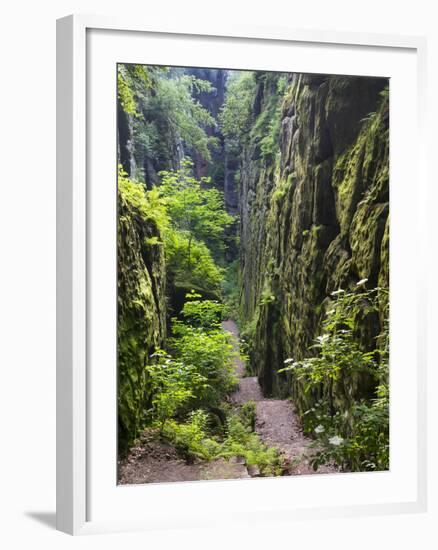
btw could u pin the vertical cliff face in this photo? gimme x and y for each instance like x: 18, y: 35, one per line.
x: 141, y: 311
x: 125, y: 141
x: 212, y: 101
x: 314, y: 212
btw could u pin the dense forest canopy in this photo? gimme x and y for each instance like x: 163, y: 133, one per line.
x: 252, y: 203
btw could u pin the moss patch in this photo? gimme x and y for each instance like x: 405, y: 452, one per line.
x: 141, y: 309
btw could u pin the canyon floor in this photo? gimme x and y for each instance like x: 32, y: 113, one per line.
x: 277, y: 424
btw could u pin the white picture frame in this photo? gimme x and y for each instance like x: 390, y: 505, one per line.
x: 75, y: 222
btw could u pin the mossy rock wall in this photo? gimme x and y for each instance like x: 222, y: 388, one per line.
x: 314, y: 217
x: 141, y: 313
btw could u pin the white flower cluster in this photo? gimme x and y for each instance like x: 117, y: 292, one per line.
x: 291, y: 362
x: 339, y: 291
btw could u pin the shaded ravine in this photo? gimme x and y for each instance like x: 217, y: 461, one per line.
x: 277, y: 423
x: 153, y: 460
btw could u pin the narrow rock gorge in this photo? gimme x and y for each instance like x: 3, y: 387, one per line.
x: 253, y: 273
x: 314, y: 214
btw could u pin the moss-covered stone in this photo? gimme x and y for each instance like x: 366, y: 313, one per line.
x: 141, y: 312
x: 313, y: 218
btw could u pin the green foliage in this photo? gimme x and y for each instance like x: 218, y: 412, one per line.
x: 210, y: 350
x: 164, y: 111
x: 203, y: 272
x: 132, y: 81
x: 206, y: 314
x: 267, y: 296
x: 269, y: 143
x: 235, y: 115
x: 199, y: 372
x: 140, y: 319
x: 367, y: 445
x: 242, y: 441
x: 189, y: 260
x: 195, y: 207
x: 354, y: 433
x: 198, y: 376
x: 248, y: 414
x: 149, y: 204
x: 173, y: 383
x: 194, y: 441
x: 191, y: 437
x: 126, y: 96
x: 198, y: 220
x: 174, y: 103
x: 338, y: 350
x: 266, y: 129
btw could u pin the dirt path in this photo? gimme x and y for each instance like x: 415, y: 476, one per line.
x: 249, y: 387
x: 154, y: 461
x: 277, y: 423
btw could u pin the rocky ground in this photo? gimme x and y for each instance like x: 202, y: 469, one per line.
x: 153, y: 461
x: 277, y: 424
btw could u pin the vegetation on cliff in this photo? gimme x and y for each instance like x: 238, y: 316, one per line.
x: 347, y: 387
x: 303, y: 267
x: 141, y: 326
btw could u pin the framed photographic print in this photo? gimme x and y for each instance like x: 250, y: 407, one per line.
x: 235, y: 338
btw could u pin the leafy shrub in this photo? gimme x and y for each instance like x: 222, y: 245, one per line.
x: 352, y: 431
x: 206, y: 314
x: 163, y: 110
x: 131, y: 79
x: 211, y: 353
x: 193, y: 440
x: 248, y: 414
x: 148, y: 203
x: 366, y: 447
x: 242, y: 441
x: 267, y: 126
x: 173, y: 384
x: 195, y: 207
x: 174, y: 104
x: 197, y: 220
x: 235, y: 114
x: 203, y: 274
x: 189, y: 259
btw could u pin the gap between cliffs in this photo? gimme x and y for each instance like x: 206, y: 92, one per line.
x: 153, y: 460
